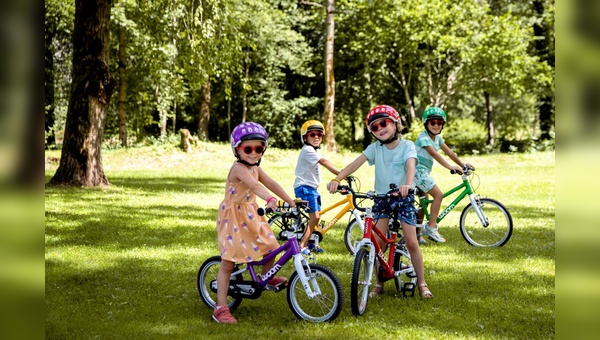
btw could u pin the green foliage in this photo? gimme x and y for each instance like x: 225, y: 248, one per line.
x: 265, y: 58
x: 464, y: 136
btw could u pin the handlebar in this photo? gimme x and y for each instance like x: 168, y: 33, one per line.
x: 466, y: 170
x: 281, y: 205
x: 394, y: 192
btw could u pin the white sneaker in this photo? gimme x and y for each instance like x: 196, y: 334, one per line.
x: 433, y: 233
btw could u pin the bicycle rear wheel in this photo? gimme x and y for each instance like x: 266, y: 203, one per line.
x: 363, y: 274
x: 405, y: 282
x: 352, y: 234
x: 279, y: 224
x: 207, y: 284
x: 323, y: 307
x: 496, y: 233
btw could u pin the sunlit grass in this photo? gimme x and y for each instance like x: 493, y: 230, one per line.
x: 121, y: 262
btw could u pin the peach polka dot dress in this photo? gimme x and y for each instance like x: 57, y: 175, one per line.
x: 242, y: 234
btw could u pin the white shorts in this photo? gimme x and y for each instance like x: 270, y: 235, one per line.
x: 424, y: 181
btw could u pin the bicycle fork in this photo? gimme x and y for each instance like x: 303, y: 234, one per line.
x: 476, y: 203
x: 309, y: 282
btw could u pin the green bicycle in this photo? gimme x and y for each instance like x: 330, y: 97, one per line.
x: 484, y: 222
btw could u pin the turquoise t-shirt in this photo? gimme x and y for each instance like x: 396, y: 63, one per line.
x: 390, y: 165
x: 425, y: 160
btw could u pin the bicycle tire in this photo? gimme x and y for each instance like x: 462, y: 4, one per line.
x: 321, y: 308
x: 352, y: 234
x: 361, y: 282
x: 206, y: 276
x: 285, y: 224
x: 407, y: 282
x: 496, y: 234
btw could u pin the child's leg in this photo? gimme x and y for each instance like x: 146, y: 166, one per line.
x: 223, y: 281
x: 416, y: 257
x: 438, y: 196
x: 312, y: 222
x: 431, y: 228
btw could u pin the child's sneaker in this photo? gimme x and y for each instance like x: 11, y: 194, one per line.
x: 433, y: 233
x: 222, y: 315
x: 305, y: 251
x: 276, y: 281
x: 421, y: 239
x: 315, y: 248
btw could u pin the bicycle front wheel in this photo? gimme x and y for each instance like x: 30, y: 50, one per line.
x: 352, y: 234
x: 361, y: 282
x: 207, y: 284
x: 324, y: 307
x: 499, y: 224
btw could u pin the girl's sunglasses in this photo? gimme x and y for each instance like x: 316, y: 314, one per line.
x: 435, y: 122
x: 316, y: 134
x: 382, y: 123
x: 259, y: 149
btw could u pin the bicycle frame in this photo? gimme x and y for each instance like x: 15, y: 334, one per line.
x: 369, y: 240
x: 467, y: 191
x: 290, y: 249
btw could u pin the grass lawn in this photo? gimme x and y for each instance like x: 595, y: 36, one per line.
x: 121, y: 262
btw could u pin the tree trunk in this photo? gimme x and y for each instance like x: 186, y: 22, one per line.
x: 49, y: 87
x: 122, y: 105
x: 204, y: 112
x: 543, y: 50
x: 245, y: 94
x: 91, y: 90
x: 490, y: 119
x: 329, y: 78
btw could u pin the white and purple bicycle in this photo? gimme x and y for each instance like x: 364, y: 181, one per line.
x: 314, y: 292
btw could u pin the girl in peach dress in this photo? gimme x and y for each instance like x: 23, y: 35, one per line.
x: 243, y: 235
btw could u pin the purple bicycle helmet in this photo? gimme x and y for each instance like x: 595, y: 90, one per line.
x: 248, y: 131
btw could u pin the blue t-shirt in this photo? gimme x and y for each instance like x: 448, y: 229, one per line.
x: 390, y: 165
x: 425, y: 160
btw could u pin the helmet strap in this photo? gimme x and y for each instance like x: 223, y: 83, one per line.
x: 395, y: 137
x: 246, y: 163
x: 435, y: 134
x: 315, y: 147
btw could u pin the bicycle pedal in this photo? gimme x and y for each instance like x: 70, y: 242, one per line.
x: 408, y: 290
x: 277, y: 288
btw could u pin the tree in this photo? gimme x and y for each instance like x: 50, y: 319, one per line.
x: 91, y: 90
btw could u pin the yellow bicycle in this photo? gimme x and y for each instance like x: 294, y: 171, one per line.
x: 298, y: 220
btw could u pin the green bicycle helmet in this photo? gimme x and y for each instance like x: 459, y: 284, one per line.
x: 434, y: 112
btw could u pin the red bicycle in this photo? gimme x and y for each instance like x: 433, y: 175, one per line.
x: 397, y: 266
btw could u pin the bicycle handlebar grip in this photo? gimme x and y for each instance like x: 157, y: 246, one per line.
x: 262, y: 211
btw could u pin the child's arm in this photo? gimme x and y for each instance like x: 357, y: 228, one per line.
x: 274, y: 187
x: 348, y: 170
x: 441, y: 159
x: 241, y: 173
x: 454, y: 156
x: 410, y: 176
x: 329, y: 166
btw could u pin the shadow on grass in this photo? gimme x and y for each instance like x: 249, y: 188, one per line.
x: 137, y: 297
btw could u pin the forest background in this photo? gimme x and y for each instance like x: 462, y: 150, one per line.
x: 205, y: 66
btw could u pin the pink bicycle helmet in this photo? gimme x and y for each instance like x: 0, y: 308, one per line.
x: 248, y: 131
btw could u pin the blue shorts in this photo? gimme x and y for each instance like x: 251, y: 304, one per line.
x: 311, y: 195
x: 424, y: 181
x: 407, y: 212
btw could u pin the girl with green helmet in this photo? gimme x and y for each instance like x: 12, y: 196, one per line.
x: 428, y: 143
